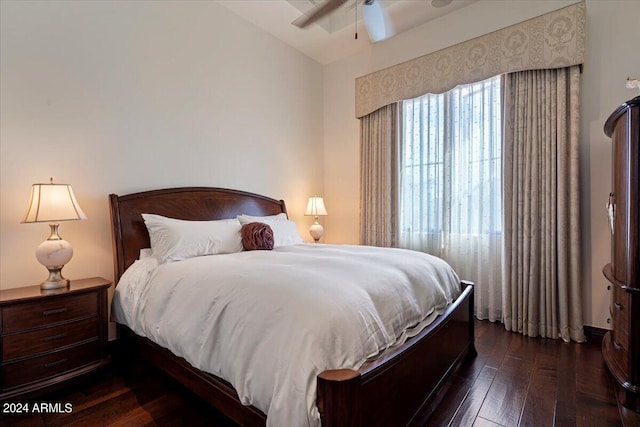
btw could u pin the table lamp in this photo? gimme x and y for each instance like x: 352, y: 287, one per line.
x: 53, y: 203
x: 315, y: 207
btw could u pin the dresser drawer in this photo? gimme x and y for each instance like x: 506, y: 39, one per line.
x: 620, y: 308
x: 25, y: 344
x: 620, y: 349
x: 40, y: 313
x: 49, y: 365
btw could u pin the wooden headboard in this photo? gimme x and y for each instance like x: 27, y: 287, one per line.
x: 190, y: 203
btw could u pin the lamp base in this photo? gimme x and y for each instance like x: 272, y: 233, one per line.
x: 316, y: 231
x: 55, y: 279
x: 54, y: 253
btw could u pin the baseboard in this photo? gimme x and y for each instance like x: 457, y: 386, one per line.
x: 594, y: 334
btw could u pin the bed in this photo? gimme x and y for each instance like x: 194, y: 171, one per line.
x: 397, y: 388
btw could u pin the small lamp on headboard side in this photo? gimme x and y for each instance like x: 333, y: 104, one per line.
x: 53, y: 203
x: 315, y: 207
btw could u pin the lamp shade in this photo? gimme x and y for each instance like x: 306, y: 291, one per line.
x: 52, y: 202
x: 315, y: 207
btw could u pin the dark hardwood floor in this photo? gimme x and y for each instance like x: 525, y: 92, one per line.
x: 514, y: 381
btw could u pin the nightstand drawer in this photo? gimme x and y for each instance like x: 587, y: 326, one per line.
x: 39, y: 341
x: 20, y: 317
x: 42, y: 367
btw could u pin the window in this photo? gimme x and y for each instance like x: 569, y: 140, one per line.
x: 451, y: 162
x: 450, y: 179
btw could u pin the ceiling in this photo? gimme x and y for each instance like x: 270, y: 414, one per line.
x: 333, y: 37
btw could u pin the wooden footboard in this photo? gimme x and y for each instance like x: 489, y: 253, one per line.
x: 396, y: 389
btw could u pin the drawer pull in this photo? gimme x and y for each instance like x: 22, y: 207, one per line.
x: 56, y: 363
x: 618, y: 306
x: 54, y: 337
x: 54, y: 311
x: 617, y: 346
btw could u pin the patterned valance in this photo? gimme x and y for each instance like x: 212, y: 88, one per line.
x: 553, y: 40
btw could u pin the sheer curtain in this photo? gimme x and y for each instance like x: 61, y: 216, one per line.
x: 450, y: 189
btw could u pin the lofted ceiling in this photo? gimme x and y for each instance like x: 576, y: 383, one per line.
x: 332, y: 38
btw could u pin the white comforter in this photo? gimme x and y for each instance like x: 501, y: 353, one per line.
x: 270, y: 321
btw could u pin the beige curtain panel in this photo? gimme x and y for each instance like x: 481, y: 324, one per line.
x: 553, y: 40
x: 379, y: 188
x: 542, y: 293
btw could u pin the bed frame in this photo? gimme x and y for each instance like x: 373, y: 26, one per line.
x: 399, y: 388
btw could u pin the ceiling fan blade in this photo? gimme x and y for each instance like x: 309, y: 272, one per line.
x: 324, y: 9
x: 377, y: 20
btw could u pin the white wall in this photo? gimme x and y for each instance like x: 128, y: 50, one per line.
x: 611, y: 56
x: 118, y: 97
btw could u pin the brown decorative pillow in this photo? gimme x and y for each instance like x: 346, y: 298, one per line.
x: 257, y: 236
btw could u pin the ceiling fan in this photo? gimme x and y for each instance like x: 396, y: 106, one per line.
x: 376, y: 17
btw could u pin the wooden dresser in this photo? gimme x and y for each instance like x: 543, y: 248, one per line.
x: 50, y: 337
x: 621, y: 346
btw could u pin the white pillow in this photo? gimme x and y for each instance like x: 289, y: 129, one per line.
x: 285, y: 231
x: 145, y: 253
x: 246, y: 219
x: 176, y: 239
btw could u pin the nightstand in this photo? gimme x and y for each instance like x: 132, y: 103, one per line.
x: 50, y: 337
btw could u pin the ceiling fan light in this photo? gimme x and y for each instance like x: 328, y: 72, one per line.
x: 377, y: 21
